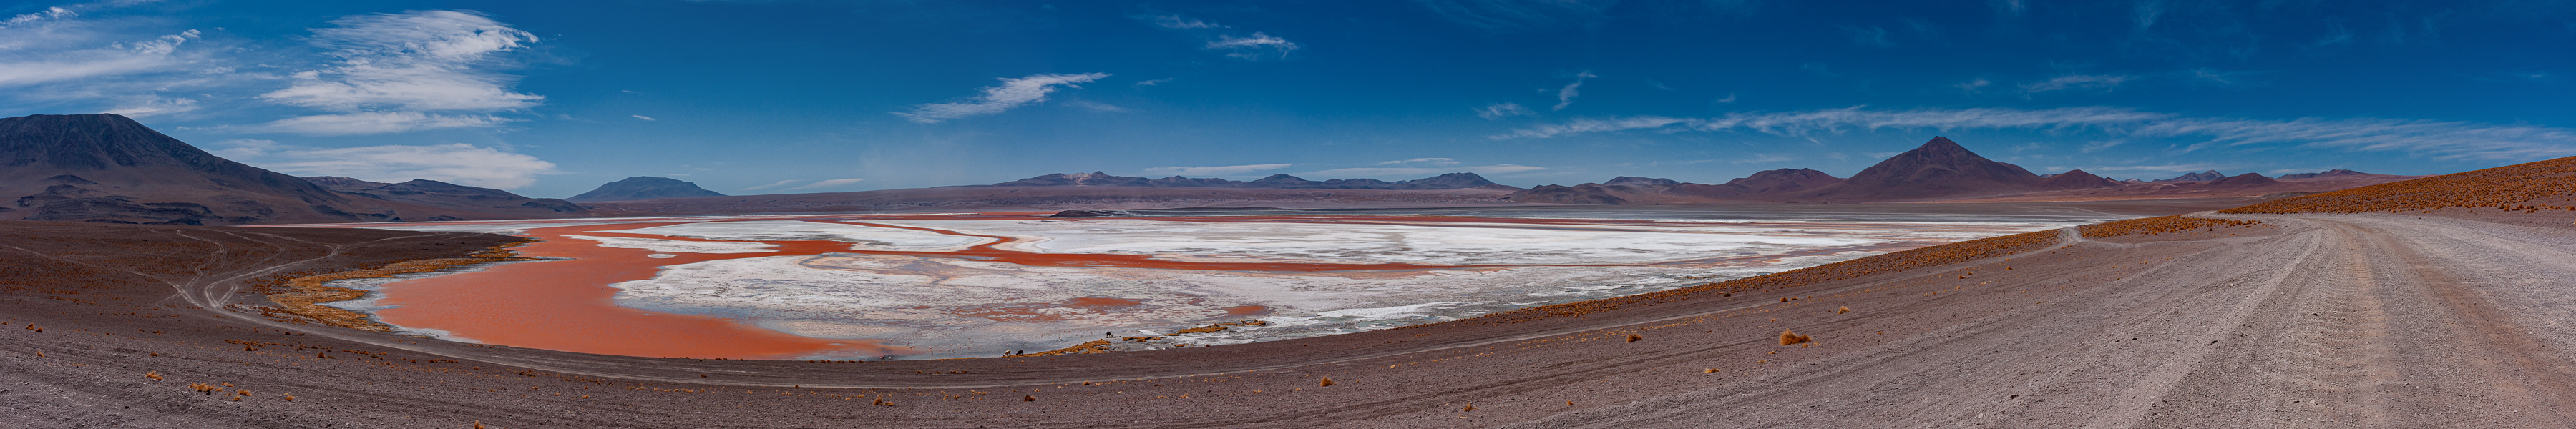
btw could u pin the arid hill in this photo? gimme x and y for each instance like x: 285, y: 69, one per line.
x: 1938, y: 170
x: 488, y: 202
x: 107, y: 168
x: 643, y: 188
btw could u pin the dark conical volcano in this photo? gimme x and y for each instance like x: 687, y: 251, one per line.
x: 643, y: 188
x: 1940, y: 169
x: 108, y: 168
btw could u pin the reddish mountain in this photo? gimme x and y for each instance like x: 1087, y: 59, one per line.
x: 1940, y: 169
x: 2077, y: 179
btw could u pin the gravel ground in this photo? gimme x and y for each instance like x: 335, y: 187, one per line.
x: 2441, y: 320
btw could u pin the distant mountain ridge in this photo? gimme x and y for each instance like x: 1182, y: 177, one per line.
x: 1275, y: 181
x: 643, y: 188
x: 437, y: 193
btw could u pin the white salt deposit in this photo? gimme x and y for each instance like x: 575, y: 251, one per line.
x: 660, y: 245
x: 865, y: 237
x: 1497, y: 243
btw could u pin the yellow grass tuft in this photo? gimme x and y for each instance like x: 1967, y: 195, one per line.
x: 1708, y: 371
x: 1029, y: 398
x: 1470, y: 407
x: 1787, y: 338
x: 1634, y: 338
x: 1328, y: 381
x: 1845, y: 309
x: 154, y: 375
x: 290, y: 397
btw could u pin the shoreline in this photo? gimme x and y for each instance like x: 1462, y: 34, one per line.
x: 304, y: 297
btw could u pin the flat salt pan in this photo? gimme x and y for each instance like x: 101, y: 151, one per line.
x: 866, y: 237
x: 1386, y: 243
x: 660, y: 245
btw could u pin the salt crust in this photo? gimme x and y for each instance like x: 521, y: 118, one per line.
x: 865, y: 237
x: 660, y: 245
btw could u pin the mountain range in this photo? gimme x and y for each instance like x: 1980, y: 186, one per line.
x: 108, y: 168
x: 1275, y: 181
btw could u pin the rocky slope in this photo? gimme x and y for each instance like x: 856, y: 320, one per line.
x: 108, y: 168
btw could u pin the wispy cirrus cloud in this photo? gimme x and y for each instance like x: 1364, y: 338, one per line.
x: 1254, y: 47
x: 455, y: 162
x: 2103, y: 82
x: 1502, y: 110
x: 342, y: 124
x: 1178, y: 22
x: 1430, y: 161
x: 2444, y: 140
x: 404, y: 66
x: 1229, y: 170
x: 1565, y: 96
x: 833, y: 183
x: 773, y: 184
x: 1398, y: 173
x: 1013, y: 92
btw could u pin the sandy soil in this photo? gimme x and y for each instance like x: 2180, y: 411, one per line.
x: 2445, y: 319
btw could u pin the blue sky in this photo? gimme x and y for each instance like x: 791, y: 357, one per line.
x: 551, y: 99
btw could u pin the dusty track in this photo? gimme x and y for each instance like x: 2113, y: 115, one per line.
x: 2310, y: 321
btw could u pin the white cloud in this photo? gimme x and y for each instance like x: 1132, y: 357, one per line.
x: 773, y: 184
x: 1565, y: 96
x: 454, y: 163
x: 1501, y: 110
x: 2103, y: 82
x: 828, y: 184
x: 419, y: 60
x: 151, y: 106
x: 1230, y: 170
x: 375, y: 123
x: 1396, y: 173
x: 647, y: 118
x: 2444, y: 140
x: 1258, y: 46
x: 50, y: 13
x: 51, y: 46
x: 1730, y: 98
x: 1178, y: 22
x: 1152, y: 82
x: 1097, y: 106
x: 1013, y: 92
x: 1432, y: 161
